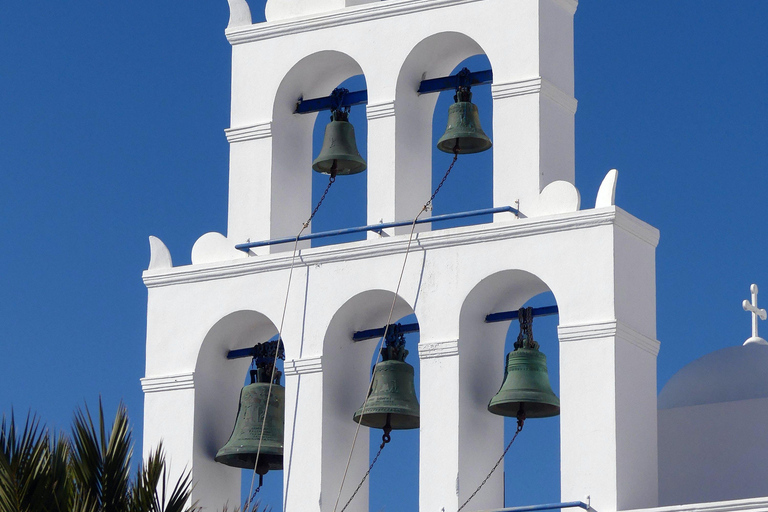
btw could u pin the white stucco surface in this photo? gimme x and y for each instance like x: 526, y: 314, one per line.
x: 599, y: 263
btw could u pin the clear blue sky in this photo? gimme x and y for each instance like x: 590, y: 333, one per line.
x: 111, y: 130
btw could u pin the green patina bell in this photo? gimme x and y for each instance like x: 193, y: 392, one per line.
x: 392, y: 400
x: 243, y: 445
x: 526, y: 387
x: 463, y: 134
x: 339, y: 155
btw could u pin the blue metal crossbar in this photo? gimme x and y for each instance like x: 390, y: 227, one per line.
x: 377, y: 227
x: 464, y: 78
x: 546, y: 506
x: 512, y: 315
x: 345, y: 99
x: 240, y: 353
x: 342, y: 98
x: 369, y: 334
x: 378, y: 333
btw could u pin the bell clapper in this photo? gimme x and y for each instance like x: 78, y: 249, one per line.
x: 520, y: 418
x: 386, y: 438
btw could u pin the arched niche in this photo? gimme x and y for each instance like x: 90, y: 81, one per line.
x: 347, y: 365
x: 482, y: 355
x: 435, y: 56
x: 291, y: 178
x: 218, y: 382
x: 345, y: 204
x: 470, y: 185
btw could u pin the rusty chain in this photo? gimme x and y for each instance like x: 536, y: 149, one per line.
x: 520, y: 421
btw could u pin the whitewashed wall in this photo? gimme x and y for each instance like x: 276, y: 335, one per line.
x: 599, y: 264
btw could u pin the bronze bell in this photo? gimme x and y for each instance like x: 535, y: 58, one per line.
x: 526, y: 389
x: 243, y: 445
x: 463, y: 134
x: 339, y: 153
x: 392, y: 401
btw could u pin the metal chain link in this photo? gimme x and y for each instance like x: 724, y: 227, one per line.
x: 322, y: 198
x: 520, y: 421
x: 384, y: 440
x: 253, y: 496
x: 445, y: 176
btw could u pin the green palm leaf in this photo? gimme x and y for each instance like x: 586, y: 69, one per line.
x: 32, y: 468
x: 100, y: 465
x: 88, y: 472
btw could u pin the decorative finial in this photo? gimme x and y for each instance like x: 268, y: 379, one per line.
x: 761, y: 313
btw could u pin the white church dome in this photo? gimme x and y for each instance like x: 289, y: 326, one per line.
x: 726, y: 375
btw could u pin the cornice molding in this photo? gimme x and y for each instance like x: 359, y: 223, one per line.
x: 749, y: 504
x: 430, y: 240
x: 438, y: 349
x: 253, y: 132
x: 168, y: 382
x: 380, y: 110
x: 348, y: 16
x: 610, y: 329
x: 636, y: 227
x: 303, y: 366
x: 536, y: 85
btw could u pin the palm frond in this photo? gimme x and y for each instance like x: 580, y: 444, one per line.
x: 31, y: 468
x: 86, y: 472
x: 100, y: 465
x: 151, y: 487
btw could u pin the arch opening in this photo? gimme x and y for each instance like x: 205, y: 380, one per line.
x: 401, y: 455
x: 470, y: 185
x: 484, y: 346
x: 346, y: 203
x: 349, y: 365
x: 421, y: 121
x: 218, y: 382
x: 293, y: 150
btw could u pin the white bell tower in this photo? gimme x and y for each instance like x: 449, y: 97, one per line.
x: 599, y: 263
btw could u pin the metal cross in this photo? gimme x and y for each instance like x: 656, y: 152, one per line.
x: 756, y: 313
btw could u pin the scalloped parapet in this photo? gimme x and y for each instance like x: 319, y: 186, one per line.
x: 286, y: 9
x: 239, y: 13
x: 213, y: 247
x: 606, y: 194
x: 159, y: 255
x: 559, y: 197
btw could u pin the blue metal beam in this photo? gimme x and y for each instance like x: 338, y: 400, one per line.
x: 462, y: 79
x: 376, y: 227
x: 378, y: 333
x: 341, y: 98
x: 332, y: 102
x: 512, y: 315
x: 546, y: 506
x: 240, y: 353
x: 493, y: 317
x: 370, y: 334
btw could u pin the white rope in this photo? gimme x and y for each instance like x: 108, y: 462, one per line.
x: 280, y: 339
x: 386, y: 328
